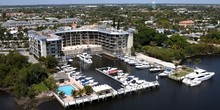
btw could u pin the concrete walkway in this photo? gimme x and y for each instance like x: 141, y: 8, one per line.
x: 154, y: 60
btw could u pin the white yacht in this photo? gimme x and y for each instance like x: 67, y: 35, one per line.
x: 85, y: 57
x: 142, y: 66
x: 196, y: 77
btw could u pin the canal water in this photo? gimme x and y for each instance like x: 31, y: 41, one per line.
x: 171, y: 95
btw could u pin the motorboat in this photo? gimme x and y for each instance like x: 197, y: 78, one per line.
x: 145, y: 63
x: 155, y: 69
x: 69, y: 69
x: 142, y: 66
x: 65, y: 66
x: 93, y: 84
x: 198, y: 75
x: 166, y: 72
x: 70, y: 60
x: 132, y: 62
x: 85, y: 57
x: 88, y: 78
x: 126, y: 60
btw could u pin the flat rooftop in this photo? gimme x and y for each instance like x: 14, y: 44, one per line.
x: 95, y: 28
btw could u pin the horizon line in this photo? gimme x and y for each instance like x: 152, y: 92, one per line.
x: 115, y: 4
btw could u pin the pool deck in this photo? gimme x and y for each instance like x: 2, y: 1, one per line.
x: 69, y: 101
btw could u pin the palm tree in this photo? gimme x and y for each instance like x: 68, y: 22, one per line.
x: 81, y: 91
x: 74, y: 93
x: 62, y: 94
x: 88, y: 89
x: 176, y: 63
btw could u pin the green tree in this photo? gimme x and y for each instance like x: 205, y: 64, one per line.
x: 81, y: 92
x: 51, y: 62
x: 62, y: 94
x: 36, y: 74
x: 177, y: 42
x: 113, y: 25
x: 88, y: 89
x: 20, y: 89
x: 118, y: 25
x: 74, y: 93
x: 176, y: 63
x: 31, y: 92
x: 50, y: 83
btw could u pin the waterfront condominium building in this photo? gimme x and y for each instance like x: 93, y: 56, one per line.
x: 111, y: 41
x: 44, y: 43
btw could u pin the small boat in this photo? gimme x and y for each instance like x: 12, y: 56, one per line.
x: 156, y: 69
x: 98, y: 55
x: 166, y: 72
x: 77, y: 73
x: 85, y: 57
x: 88, y: 78
x: 64, y: 66
x: 142, y: 66
x: 93, y: 83
x: 69, y: 69
x: 126, y: 60
x: 145, y: 63
x: 132, y: 62
x: 70, y: 60
x: 91, y: 80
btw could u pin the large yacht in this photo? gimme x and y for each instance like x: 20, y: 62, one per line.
x: 196, y: 77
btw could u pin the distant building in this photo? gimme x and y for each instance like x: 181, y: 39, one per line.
x: 69, y: 20
x: 44, y: 43
x: 180, y: 10
x: 13, y: 25
x: 10, y: 24
x: 149, y: 22
x: 186, y: 23
x: 14, y: 14
x: 106, y: 21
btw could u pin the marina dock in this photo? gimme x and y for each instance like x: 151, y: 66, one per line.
x: 112, y: 93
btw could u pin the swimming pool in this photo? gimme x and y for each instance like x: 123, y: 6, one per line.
x: 67, y: 89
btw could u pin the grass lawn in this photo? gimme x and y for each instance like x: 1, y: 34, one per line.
x: 182, y: 72
x: 40, y: 87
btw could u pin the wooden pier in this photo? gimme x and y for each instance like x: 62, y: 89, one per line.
x: 108, y: 75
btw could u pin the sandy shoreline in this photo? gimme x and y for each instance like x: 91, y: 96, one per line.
x: 154, y: 60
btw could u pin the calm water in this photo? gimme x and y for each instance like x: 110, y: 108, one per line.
x: 7, y: 101
x: 170, y: 96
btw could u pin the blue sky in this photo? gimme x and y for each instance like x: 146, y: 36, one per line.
x: 33, y: 2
